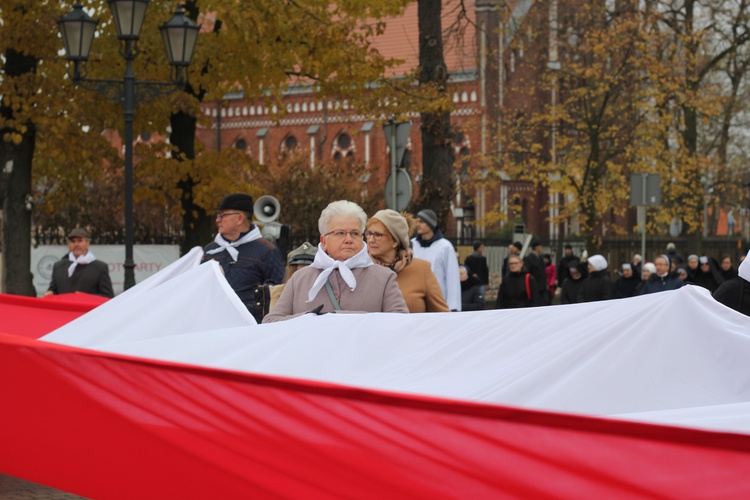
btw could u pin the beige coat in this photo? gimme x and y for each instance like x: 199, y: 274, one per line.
x: 420, y: 288
x: 376, y: 291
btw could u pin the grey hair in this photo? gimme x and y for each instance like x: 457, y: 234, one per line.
x: 341, y: 207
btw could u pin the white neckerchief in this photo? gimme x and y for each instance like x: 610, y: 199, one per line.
x: 231, y: 247
x: 327, y: 264
x: 84, y: 259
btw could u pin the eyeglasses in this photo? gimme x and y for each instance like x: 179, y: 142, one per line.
x: 340, y: 234
x: 373, y: 234
x: 221, y: 215
x: 515, y: 263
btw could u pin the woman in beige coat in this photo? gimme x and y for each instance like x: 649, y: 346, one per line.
x: 342, y: 278
x: 388, y: 241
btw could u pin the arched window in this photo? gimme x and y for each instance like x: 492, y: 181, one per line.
x: 344, y: 141
x: 241, y: 144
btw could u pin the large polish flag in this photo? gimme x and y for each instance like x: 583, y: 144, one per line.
x: 171, y: 390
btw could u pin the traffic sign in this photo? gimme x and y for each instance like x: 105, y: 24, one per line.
x: 402, y: 188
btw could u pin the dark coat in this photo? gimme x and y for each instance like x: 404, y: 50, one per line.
x: 534, y: 265
x: 735, y: 293
x: 472, y: 298
x: 513, y: 293
x: 90, y: 278
x: 626, y: 287
x: 656, y: 283
x: 259, y: 263
x: 477, y: 265
x: 569, y: 290
x: 710, y: 280
x: 598, y: 286
x: 563, y: 268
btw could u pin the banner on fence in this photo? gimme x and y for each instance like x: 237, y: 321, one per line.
x: 149, y: 259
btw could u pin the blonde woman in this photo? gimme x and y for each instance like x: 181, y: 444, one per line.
x: 388, y: 242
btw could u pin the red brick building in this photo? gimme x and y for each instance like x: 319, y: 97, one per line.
x: 480, y: 63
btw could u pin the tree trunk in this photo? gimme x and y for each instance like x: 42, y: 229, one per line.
x: 196, y: 223
x: 436, y: 188
x: 15, y: 165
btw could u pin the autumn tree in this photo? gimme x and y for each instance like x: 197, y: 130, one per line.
x: 635, y: 88
x: 708, y: 40
x: 436, y: 188
x: 61, y: 129
x: 304, y: 192
x: 580, y: 147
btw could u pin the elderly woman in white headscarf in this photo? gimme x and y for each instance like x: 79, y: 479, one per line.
x: 342, y: 278
x: 598, y: 284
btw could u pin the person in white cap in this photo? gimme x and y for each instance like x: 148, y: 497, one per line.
x: 598, y: 284
x: 430, y: 245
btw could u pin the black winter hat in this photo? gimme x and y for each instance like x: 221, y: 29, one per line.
x: 428, y: 217
x: 237, y: 201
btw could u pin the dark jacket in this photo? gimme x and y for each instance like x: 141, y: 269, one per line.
x: 735, y: 293
x: 259, y: 263
x: 90, y: 278
x: 658, y: 283
x: 626, y: 287
x: 569, y: 290
x: 477, y: 265
x: 598, y: 286
x: 534, y: 264
x: 472, y: 298
x: 710, y: 280
x: 513, y: 292
x: 563, y: 268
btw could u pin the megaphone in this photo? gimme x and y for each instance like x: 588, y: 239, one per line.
x: 267, y: 209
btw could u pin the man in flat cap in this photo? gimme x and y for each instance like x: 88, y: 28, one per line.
x: 80, y: 271
x: 248, y: 260
x: 431, y: 246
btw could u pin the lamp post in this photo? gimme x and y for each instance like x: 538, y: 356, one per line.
x: 179, y: 35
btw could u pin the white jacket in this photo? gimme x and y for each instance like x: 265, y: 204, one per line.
x: 444, y: 263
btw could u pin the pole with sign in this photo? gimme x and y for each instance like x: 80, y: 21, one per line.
x: 398, y: 184
x: 645, y: 190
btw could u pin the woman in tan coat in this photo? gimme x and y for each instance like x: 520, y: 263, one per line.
x: 387, y: 235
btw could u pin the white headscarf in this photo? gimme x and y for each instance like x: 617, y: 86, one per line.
x: 598, y: 261
x: 328, y: 264
x: 231, y: 247
x: 84, y: 259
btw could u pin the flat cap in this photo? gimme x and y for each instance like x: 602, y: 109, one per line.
x: 79, y: 233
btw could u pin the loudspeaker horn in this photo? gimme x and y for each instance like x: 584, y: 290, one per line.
x: 267, y: 208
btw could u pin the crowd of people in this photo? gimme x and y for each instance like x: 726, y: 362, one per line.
x: 401, y: 263
x: 589, y: 279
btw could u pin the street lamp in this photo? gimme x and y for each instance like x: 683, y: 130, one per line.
x: 179, y: 35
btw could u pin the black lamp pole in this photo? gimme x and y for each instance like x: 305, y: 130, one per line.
x: 179, y: 35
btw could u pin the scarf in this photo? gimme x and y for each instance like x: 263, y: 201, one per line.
x: 84, y: 259
x: 231, y: 247
x: 403, y: 258
x: 327, y: 264
x: 426, y: 243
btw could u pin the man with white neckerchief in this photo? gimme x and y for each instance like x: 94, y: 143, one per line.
x: 80, y: 271
x: 248, y: 260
